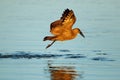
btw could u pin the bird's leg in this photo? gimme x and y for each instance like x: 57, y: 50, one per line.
x: 47, y: 38
x: 50, y: 44
x: 51, y: 38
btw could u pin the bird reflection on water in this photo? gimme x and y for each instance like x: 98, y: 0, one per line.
x: 62, y: 28
x: 62, y: 72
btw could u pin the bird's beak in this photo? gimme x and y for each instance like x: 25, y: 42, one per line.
x: 82, y: 34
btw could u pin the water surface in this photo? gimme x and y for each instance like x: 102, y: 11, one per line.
x: 24, y: 24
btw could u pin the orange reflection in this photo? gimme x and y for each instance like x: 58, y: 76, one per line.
x: 62, y: 73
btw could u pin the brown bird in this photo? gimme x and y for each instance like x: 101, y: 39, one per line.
x: 62, y: 28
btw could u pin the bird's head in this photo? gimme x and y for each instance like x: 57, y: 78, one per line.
x: 77, y: 30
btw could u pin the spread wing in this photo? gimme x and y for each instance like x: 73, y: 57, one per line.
x: 66, y: 21
x: 68, y: 18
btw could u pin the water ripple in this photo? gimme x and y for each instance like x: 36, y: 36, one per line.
x: 102, y: 59
x: 29, y: 55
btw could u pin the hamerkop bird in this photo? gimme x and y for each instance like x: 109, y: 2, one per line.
x: 62, y: 28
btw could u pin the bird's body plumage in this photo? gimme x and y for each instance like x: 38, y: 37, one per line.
x: 62, y: 28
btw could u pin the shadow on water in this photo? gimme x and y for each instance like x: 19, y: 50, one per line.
x: 62, y: 72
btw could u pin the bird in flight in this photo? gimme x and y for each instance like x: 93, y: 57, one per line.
x: 62, y: 28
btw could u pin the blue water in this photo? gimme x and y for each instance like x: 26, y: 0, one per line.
x: 24, y: 24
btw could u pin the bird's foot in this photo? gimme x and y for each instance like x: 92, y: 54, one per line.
x: 47, y: 38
